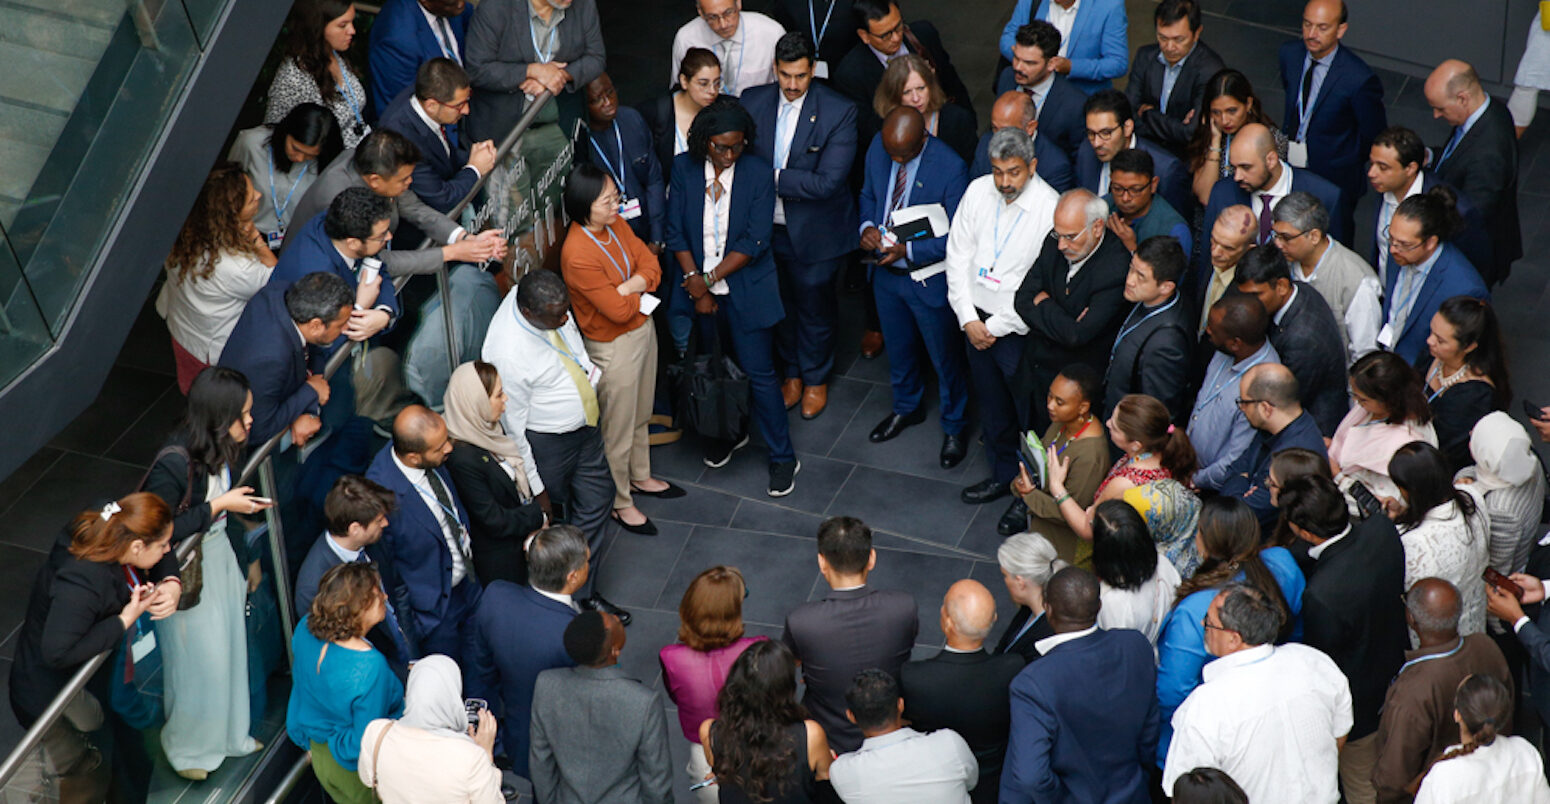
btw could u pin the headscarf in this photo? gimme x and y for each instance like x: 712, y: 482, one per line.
x: 433, y: 699
x: 466, y: 407
x: 1504, y: 456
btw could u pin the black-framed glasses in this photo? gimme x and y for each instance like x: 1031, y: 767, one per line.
x: 1283, y: 237
x: 1128, y: 192
x: 1241, y: 402
x: 1205, y: 622
x: 735, y: 148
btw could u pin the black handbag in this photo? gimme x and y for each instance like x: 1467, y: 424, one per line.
x: 710, y: 391
x: 191, y: 568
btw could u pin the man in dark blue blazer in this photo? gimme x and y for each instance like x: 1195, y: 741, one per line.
x: 809, y: 136
x: 428, y: 115
x: 1111, y: 128
x: 1068, y: 744
x: 520, y: 632
x: 426, y: 561
x: 1394, y: 166
x: 1334, y: 105
x: 1168, y: 111
x: 1418, y: 255
x: 1034, y: 47
x: 338, y: 240
x: 1017, y: 110
x: 1304, y: 332
x: 1099, y: 51
x: 1272, y: 407
x: 406, y: 34
x: 619, y: 142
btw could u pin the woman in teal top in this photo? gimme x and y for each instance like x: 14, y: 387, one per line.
x: 340, y: 683
x: 1230, y: 548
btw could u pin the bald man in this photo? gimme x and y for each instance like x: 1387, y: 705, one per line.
x: 963, y: 687
x: 1268, y: 397
x: 1480, y: 159
x: 1232, y: 235
x: 1334, y: 106
x: 427, y: 564
x: 1015, y: 109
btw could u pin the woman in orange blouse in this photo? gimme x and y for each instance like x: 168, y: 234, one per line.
x: 611, y: 273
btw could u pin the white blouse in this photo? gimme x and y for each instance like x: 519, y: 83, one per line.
x: 1141, y: 609
x: 1447, y: 545
x: 202, y: 312
x: 1509, y: 769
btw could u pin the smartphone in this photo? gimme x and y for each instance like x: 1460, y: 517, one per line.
x: 474, y: 706
x: 1502, y: 582
x: 1365, y: 499
x: 263, y: 500
x: 702, y: 785
x: 1534, y: 410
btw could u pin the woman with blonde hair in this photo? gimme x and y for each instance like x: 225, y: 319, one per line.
x: 910, y: 81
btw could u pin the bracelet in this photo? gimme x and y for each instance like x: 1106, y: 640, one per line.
x: 1062, y: 498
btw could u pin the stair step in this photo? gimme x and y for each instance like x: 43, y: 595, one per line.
x: 52, y: 33
x: 21, y: 162
x: 30, y: 124
x: 99, y: 13
x: 41, y: 78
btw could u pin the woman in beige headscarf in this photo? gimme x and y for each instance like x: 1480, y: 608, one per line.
x: 489, y: 475
x: 1508, y: 476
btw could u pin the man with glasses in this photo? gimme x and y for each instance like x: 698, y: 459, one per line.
x: 885, y: 36
x: 428, y: 116
x: 1345, y: 280
x: 1139, y: 213
x: 1111, y: 130
x: 1304, y: 332
x: 1267, y: 395
x: 1395, y: 171
x: 1168, y: 79
x: 744, y: 41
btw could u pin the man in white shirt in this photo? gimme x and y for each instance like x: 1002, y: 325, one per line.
x: 552, y: 409
x: 744, y: 41
x: 1273, y: 717
x: 1345, y: 280
x: 896, y: 763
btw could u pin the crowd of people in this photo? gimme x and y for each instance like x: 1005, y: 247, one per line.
x: 1271, y: 533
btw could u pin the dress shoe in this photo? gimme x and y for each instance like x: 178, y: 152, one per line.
x: 987, y: 490
x: 1015, y: 520
x: 871, y: 344
x: 672, y: 492
x: 597, y: 603
x: 791, y: 392
x: 895, y: 424
x: 814, y: 400
x: 953, y: 450
x: 643, y: 529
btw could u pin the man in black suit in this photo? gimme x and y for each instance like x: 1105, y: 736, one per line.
x: 1059, y: 103
x: 965, y: 688
x: 1304, y: 332
x: 855, y: 628
x: 1351, y: 609
x: 1017, y: 110
x: 1110, y: 130
x: 1480, y: 158
x: 428, y: 116
x: 1073, y: 298
x: 1152, y: 351
x: 1168, y: 79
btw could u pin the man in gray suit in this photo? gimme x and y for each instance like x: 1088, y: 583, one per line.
x: 597, y: 735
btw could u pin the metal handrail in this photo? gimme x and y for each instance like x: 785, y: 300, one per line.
x: 291, y: 779
x: 34, y: 736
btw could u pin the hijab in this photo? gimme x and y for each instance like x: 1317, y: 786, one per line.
x: 467, y: 411
x: 1504, y: 456
x: 433, y: 698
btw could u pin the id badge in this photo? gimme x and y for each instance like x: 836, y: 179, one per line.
x: 821, y: 70
x: 629, y: 209
x: 985, y: 278
x: 1297, y: 154
x: 1386, y: 337
x: 594, y: 376
x: 648, y: 303
x: 143, y: 645
x: 274, y: 239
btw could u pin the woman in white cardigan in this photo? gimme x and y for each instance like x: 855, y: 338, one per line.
x: 432, y: 753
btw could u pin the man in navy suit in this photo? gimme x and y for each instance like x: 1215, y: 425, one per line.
x: 1096, y: 50
x: 1111, y: 128
x: 619, y: 141
x: 1016, y: 109
x: 906, y: 167
x: 1426, y: 271
x: 424, y: 551
x: 338, y: 240
x: 1068, y: 744
x: 1304, y: 331
x: 810, y: 139
x: 1058, y: 102
x: 519, y: 632
x: 1334, y: 105
x: 1394, y: 169
x: 428, y: 115
x: 406, y: 34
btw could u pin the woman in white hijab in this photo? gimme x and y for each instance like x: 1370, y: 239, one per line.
x: 1508, y: 476
x: 431, y: 753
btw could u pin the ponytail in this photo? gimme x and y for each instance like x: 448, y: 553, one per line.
x: 1143, y: 418
x: 1178, y: 455
x: 1485, y: 706
x: 1436, y: 210
x: 104, y: 534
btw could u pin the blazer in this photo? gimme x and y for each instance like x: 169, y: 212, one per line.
x: 1346, y: 117
x: 1173, y: 179
x: 441, y: 178
x: 1099, y: 50
x: 644, y: 173
x: 518, y: 633
x: 598, y: 735
x: 969, y: 693
x: 501, y: 45
x: 1055, y: 337
x: 1152, y: 357
x: 1145, y: 88
x: 1308, y: 341
x: 1011, y: 642
x: 499, y: 520
x: 401, y: 41
x: 838, y: 637
x: 417, y: 565
x: 941, y: 178
x: 407, y: 259
x: 1226, y: 193
x: 1054, y: 167
x: 1351, y: 611
x: 1474, y: 242
x: 386, y: 636
x: 310, y: 250
x: 859, y: 72
x: 1060, y: 116
x: 1484, y: 166
x: 267, y: 348
x: 1451, y: 275
x: 663, y: 124
x: 835, y: 31
x: 754, y: 301
x: 1070, y: 745
x: 813, y: 188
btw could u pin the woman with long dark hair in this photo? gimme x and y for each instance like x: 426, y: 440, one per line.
x: 1136, y: 581
x: 1390, y: 412
x: 763, y: 747
x: 1229, y: 104
x: 315, y: 70
x: 1486, y: 765
x: 1442, y: 526
x: 1466, y: 373
x: 283, y: 159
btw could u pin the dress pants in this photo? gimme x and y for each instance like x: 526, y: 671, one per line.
x: 624, y: 395
x: 1000, y: 416
x: 912, y: 314
x: 755, y: 353
x: 574, y: 470
x: 806, y: 336
x: 454, y: 635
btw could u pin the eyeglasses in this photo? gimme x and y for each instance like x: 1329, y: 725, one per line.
x: 725, y: 16
x: 1129, y: 192
x: 1241, y: 402
x: 462, y: 107
x: 1205, y: 622
x: 896, y: 31
x: 1102, y: 133
x: 1282, y: 237
x: 1399, y: 245
x: 736, y: 148
x: 381, y: 238
x: 1065, y: 238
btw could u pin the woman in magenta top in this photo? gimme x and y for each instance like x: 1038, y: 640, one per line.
x: 710, y: 638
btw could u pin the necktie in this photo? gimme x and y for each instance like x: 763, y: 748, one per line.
x: 446, y: 40
x: 449, y: 133
x: 446, y: 508
x: 578, y: 376
x: 1458, y: 134
x: 1264, y: 218
x: 729, y: 78
x: 1307, y: 87
x: 783, y: 134
x: 901, y: 183
x: 1038, y: 102
x: 1384, y: 218
x: 1216, y: 290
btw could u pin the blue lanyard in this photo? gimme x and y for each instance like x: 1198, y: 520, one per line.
x: 543, y: 54
x: 607, y: 163
x: 1413, y: 287
x: 274, y: 197
x: 997, y: 243
x: 1232, y: 373
x: 812, y: 23
x: 349, y: 93
x: 1420, y: 659
x: 1032, y: 618
x: 624, y: 273
x: 430, y: 496
x: 566, y: 352
x: 1127, y: 330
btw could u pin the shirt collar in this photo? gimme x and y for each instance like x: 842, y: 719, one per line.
x: 1163, y: 60
x: 1445, y: 647
x: 1317, y: 550
x: 1281, y: 313
x: 1328, y: 247
x: 348, y: 260
x: 1025, y: 200
x: 1043, y: 87
x: 848, y: 588
x: 419, y: 110
x: 416, y: 476
x: 1473, y: 118
x: 1232, y: 661
x: 345, y: 555
x: 903, y: 50
x: 796, y: 104
x: 1415, y: 189
x: 556, y: 15
x: 1076, y: 267
x: 558, y: 597
x: 299, y: 336
x: 1329, y: 58
x: 726, y: 175
x: 1283, y: 185
x: 1259, y: 355
x: 884, y: 740
x: 1425, y: 267
x: 1049, y: 643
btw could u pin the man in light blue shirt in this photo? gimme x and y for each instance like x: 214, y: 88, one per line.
x: 1237, y: 326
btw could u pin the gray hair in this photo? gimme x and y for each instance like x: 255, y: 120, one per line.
x: 1094, y: 208
x: 1248, y: 611
x: 554, y: 553
x: 1303, y: 211
x: 1011, y: 143
x: 1029, y: 556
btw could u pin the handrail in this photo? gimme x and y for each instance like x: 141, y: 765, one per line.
x: 34, y: 736
x: 292, y: 777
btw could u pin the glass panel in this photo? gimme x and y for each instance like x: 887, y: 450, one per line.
x: 23, y: 334
x: 203, y: 15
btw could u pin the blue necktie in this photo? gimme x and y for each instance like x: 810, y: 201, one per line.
x: 1458, y: 134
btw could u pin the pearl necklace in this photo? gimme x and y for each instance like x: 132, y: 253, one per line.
x: 1444, y: 383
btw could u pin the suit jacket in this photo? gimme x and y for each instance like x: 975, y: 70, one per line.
x: 441, y: 177
x: 1070, y: 745
x: 858, y: 73
x: 1055, y: 337
x: 416, y: 562
x: 1011, y: 642
x: 941, y: 178
x: 829, y: 24
x: 598, y: 735
x: 1474, y: 241
x: 1054, y: 166
x: 1484, y: 166
x: 401, y: 41
x: 267, y: 348
x: 1226, y: 193
x: 1060, y: 116
x: 385, y: 636
x: 1351, y: 611
x: 1099, y: 50
x: 969, y: 693
x: 1346, y: 117
x: 310, y: 250
x: 755, y: 294
x: 838, y: 637
x: 1152, y: 358
x: 1173, y: 179
x: 500, y: 47
x: 1451, y: 275
x: 644, y: 175
x: 518, y: 633
x: 1308, y: 341
x: 499, y: 519
x: 658, y: 114
x: 1145, y: 88
x: 1534, y: 635
x: 813, y: 187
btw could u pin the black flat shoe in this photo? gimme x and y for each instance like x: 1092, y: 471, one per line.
x: 672, y: 492
x: 646, y: 528
x: 953, y: 450
x: 894, y: 424
x: 1015, y: 520
x: 987, y: 490
x: 597, y: 603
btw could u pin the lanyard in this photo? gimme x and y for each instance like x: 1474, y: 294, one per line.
x: 274, y: 197
x: 1412, y: 288
x: 1232, y: 373
x: 428, y: 495
x: 1032, y: 618
x: 349, y: 92
x: 566, y: 352
x: 680, y: 144
x: 1420, y: 659
x: 608, y: 164
x: 1060, y: 450
x: 1127, y: 330
x: 997, y: 244
x: 730, y: 87
x: 812, y: 23
x: 624, y: 273
x: 544, y: 54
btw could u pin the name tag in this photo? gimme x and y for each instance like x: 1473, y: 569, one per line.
x: 274, y: 239
x: 821, y: 69
x: 1297, y: 154
x: 986, y: 278
x: 629, y: 209
x: 142, y: 647
x: 648, y: 303
x: 1386, y: 336
x: 594, y: 376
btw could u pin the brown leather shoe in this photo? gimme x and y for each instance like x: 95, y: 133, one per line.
x: 791, y: 392
x: 871, y: 344
x: 814, y: 400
